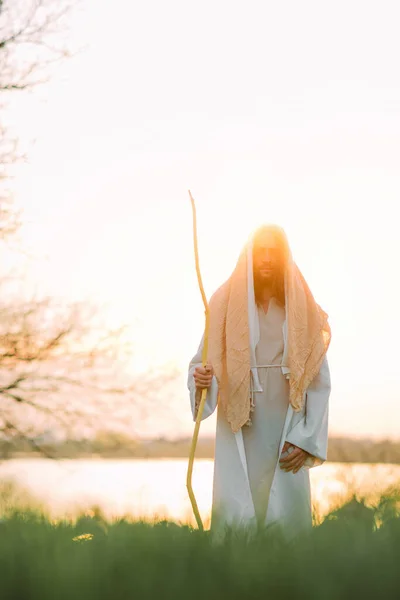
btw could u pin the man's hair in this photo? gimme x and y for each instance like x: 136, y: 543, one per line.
x: 283, y: 248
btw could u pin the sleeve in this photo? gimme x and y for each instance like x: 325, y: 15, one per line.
x: 195, y: 395
x: 311, y: 433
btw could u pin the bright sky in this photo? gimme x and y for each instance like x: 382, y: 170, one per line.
x: 268, y: 111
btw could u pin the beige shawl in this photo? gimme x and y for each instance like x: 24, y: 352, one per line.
x: 230, y: 348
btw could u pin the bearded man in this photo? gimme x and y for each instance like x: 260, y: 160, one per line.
x: 268, y: 374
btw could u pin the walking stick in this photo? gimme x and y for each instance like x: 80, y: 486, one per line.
x: 204, y: 361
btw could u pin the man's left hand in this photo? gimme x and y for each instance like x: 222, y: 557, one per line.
x: 295, y: 460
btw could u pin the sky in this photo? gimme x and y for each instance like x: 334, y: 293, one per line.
x: 269, y: 112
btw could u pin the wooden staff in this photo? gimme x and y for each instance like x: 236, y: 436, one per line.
x: 204, y: 361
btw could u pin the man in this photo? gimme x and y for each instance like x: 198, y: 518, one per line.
x: 267, y: 371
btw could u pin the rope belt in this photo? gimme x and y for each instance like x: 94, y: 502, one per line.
x: 252, y: 391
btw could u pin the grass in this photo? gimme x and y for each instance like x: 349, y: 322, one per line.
x: 353, y: 554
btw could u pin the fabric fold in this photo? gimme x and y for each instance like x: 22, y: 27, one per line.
x: 234, y: 335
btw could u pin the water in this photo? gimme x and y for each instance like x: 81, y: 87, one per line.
x: 157, y: 488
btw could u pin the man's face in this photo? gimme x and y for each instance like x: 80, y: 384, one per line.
x: 266, y: 258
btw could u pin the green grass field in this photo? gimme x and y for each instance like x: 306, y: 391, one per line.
x: 354, y: 554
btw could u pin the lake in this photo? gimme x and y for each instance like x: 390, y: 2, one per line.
x: 157, y: 488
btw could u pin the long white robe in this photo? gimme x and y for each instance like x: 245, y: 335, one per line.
x: 262, y: 439
x: 249, y: 486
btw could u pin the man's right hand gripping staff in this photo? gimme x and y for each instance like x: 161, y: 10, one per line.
x: 203, y: 377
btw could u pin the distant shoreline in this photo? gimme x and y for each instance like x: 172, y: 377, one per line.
x: 341, y: 450
x: 36, y: 456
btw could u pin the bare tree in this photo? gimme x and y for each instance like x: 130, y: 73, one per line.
x: 57, y: 364
x: 32, y: 41
x: 66, y: 368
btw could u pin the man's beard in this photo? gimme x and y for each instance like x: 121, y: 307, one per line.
x: 264, y: 281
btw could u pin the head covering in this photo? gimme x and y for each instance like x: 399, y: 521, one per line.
x: 234, y: 334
